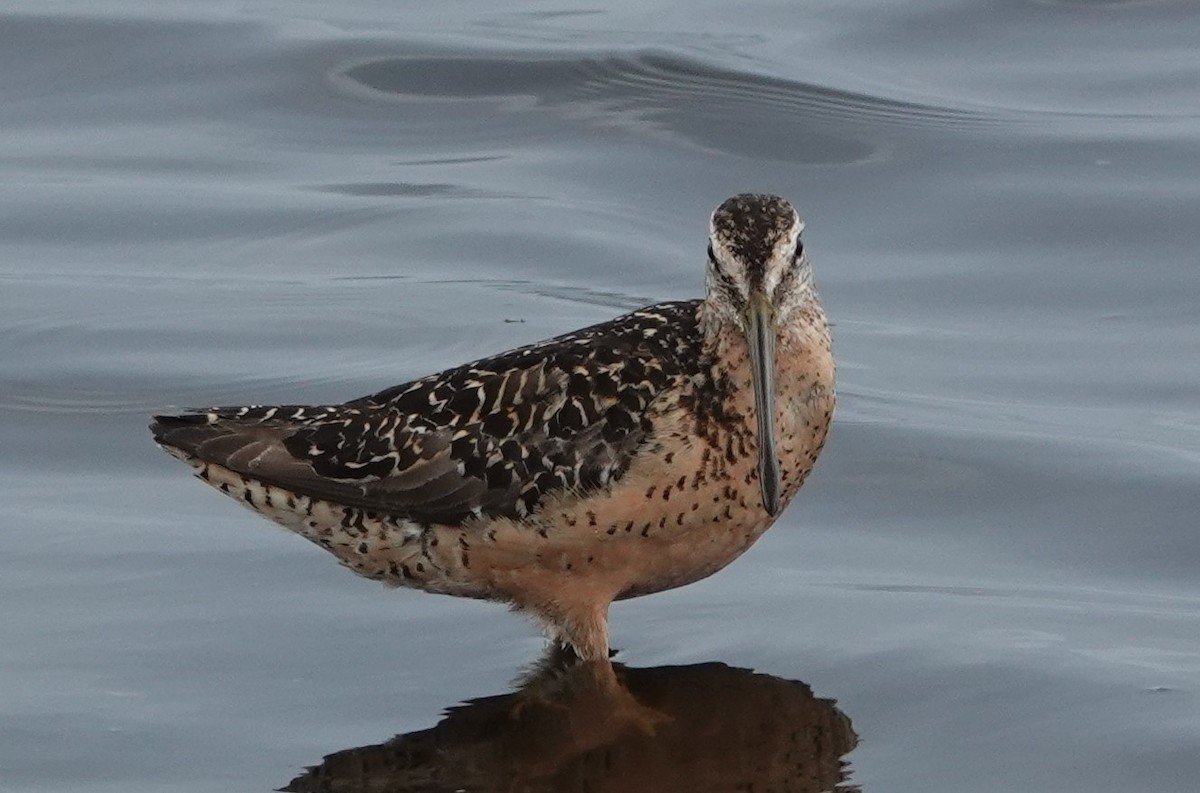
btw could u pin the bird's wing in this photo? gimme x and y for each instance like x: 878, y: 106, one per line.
x: 490, y: 438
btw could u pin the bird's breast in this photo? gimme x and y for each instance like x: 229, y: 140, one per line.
x: 690, y: 501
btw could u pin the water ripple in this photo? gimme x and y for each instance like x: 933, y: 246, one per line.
x: 115, y: 345
x: 690, y: 100
x: 685, y: 98
x: 405, y: 190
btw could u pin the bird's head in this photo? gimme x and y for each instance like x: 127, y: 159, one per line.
x: 757, y: 277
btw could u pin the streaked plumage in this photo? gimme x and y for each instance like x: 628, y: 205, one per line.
x: 618, y: 460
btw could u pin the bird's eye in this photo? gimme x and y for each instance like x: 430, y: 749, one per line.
x: 799, y: 249
x: 727, y: 281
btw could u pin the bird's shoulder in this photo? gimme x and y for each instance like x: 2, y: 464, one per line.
x: 637, y: 353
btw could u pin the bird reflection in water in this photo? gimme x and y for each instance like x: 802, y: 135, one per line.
x: 595, y: 726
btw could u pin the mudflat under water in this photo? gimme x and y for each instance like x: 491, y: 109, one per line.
x: 994, y: 570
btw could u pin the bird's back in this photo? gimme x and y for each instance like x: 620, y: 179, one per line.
x: 488, y: 439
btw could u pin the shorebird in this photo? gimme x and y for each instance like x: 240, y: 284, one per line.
x: 626, y: 458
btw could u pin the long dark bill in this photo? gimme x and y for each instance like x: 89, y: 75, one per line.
x: 760, y: 338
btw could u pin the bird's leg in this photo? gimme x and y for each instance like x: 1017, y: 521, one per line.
x: 544, y: 684
x: 588, y: 634
x: 583, y: 627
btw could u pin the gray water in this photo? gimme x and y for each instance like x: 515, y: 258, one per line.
x: 994, y: 569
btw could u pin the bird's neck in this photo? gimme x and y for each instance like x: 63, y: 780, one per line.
x: 799, y: 318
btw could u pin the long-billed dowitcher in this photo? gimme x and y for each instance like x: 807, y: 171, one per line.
x: 630, y: 457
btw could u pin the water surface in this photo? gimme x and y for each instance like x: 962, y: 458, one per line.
x: 992, y: 571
